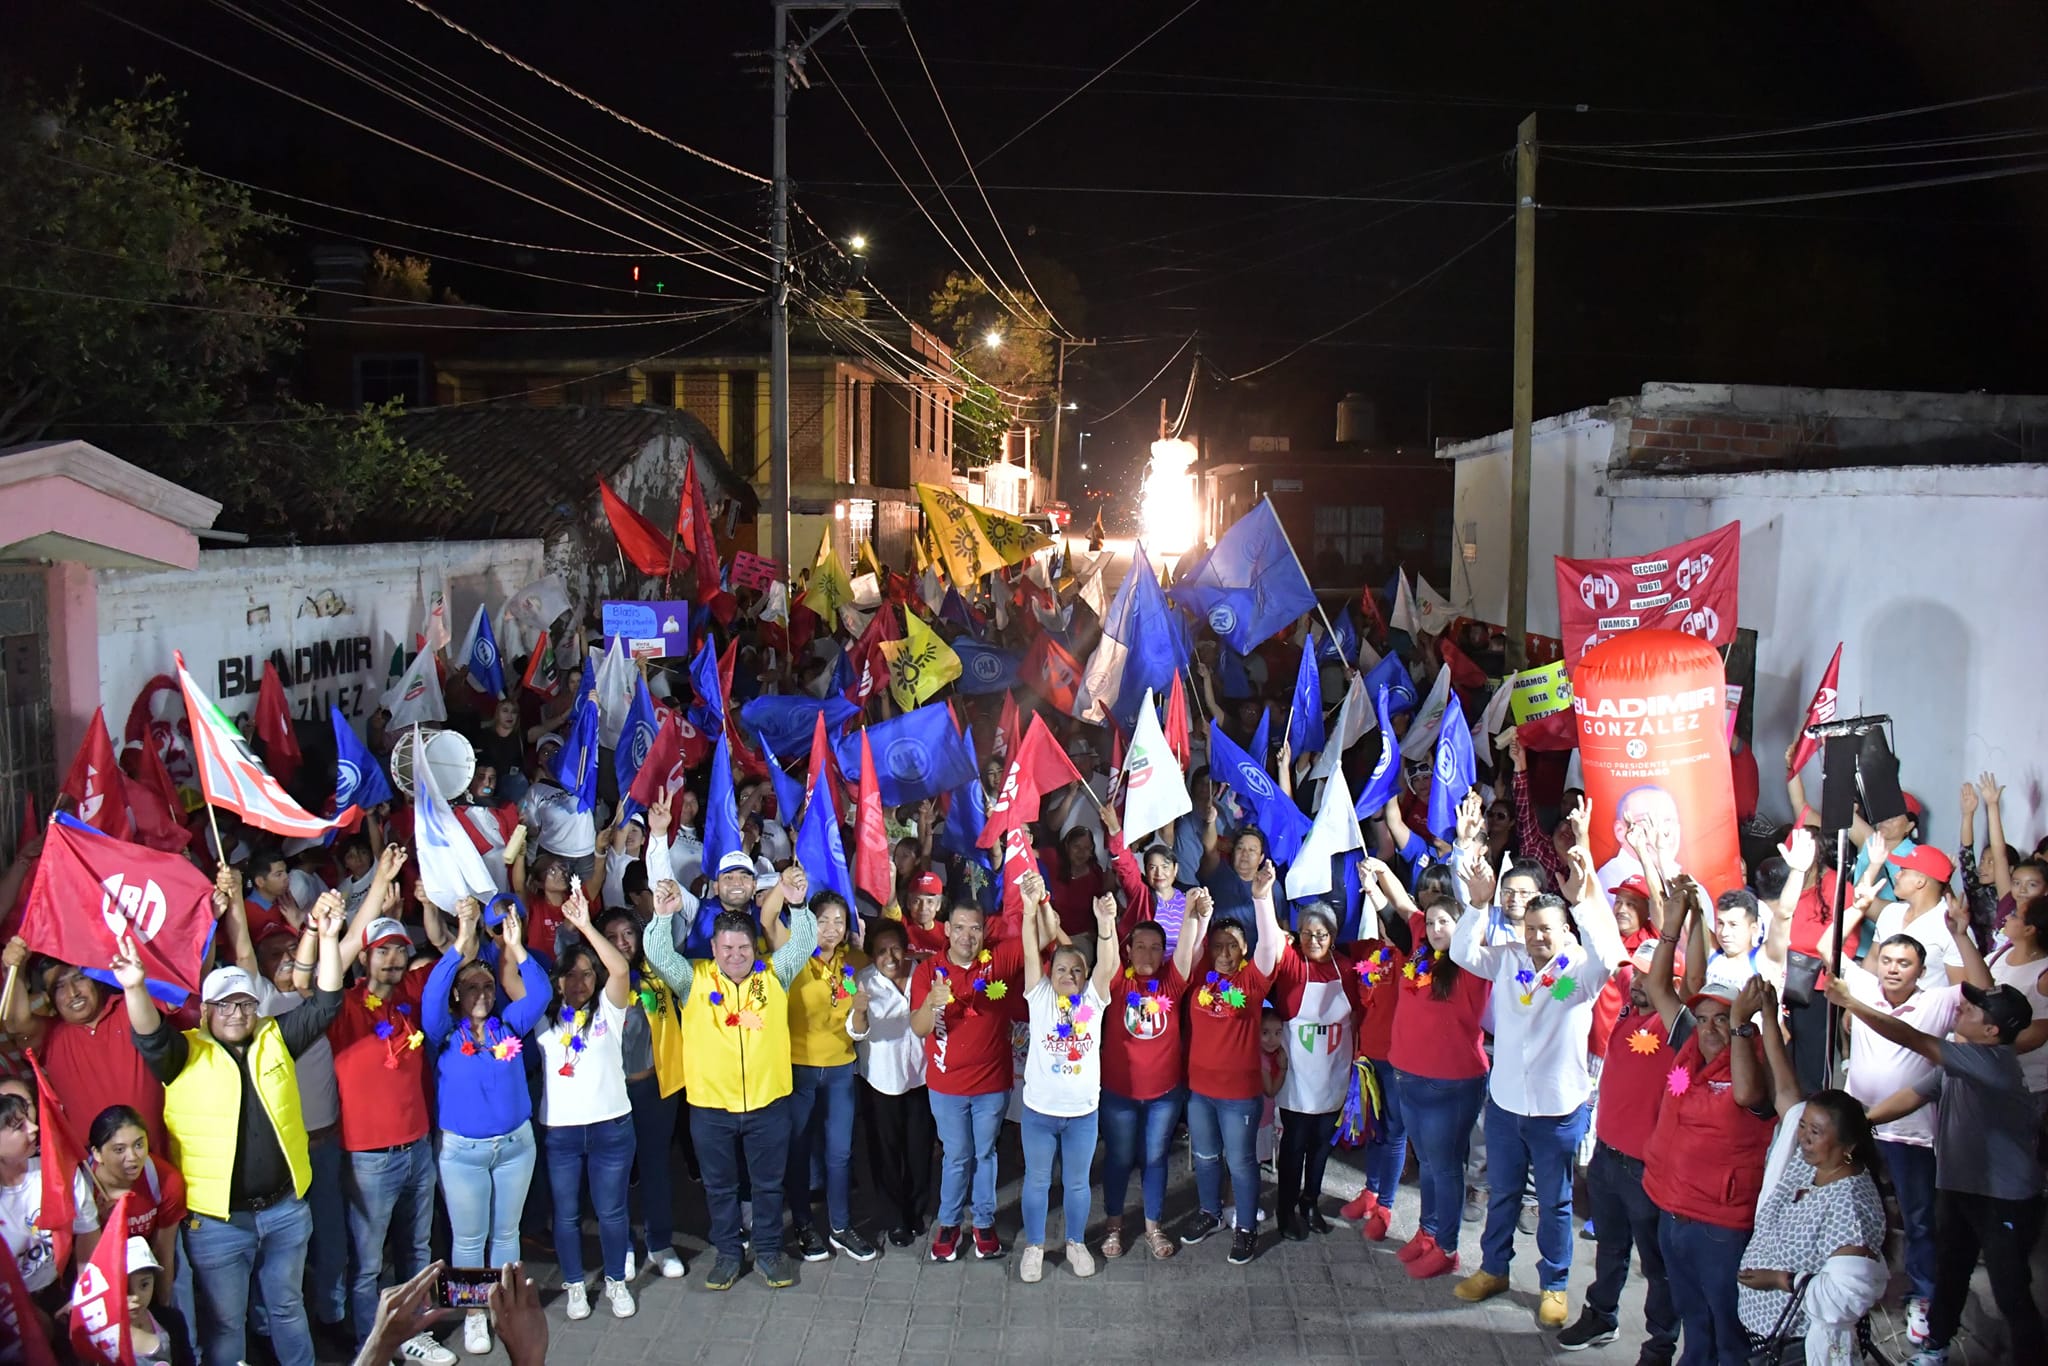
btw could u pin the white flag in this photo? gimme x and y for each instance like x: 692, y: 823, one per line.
x: 1335, y: 832
x: 930, y: 589
x: 866, y: 592
x: 1090, y: 581
x: 615, y: 676
x: 1102, y: 681
x: 1155, y: 790
x: 775, y: 604
x: 416, y: 696
x: 1490, y: 720
x: 539, y: 605
x: 439, y: 608
x: 450, y: 866
x: 1354, y: 718
x: 1403, y: 617
x: 1420, y: 742
x: 1432, y: 609
x: 1368, y: 658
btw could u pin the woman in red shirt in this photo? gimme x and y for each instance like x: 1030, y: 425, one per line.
x: 1226, y: 1092
x: 1378, y: 964
x: 1440, y: 1079
x: 1143, y: 1075
x: 122, y: 1163
x: 1074, y: 879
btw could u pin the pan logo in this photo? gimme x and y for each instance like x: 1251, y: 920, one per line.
x: 1223, y: 619
x: 908, y: 760
x: 986, y: 667
x: 1255, y: 780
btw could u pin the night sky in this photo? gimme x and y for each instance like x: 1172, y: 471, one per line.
x: 1939, y: 288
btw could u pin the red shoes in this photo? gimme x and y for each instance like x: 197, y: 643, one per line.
x: 1365, y: 1204
x: 1432, y: 1261
x: 1416, y: 1246
x: 1376, y: 1224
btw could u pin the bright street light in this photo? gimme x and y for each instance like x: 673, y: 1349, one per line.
x: 992, y: 339
x: 1073, y: 407
x: 857, y: 242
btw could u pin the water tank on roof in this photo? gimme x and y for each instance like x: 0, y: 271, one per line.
x: 1357, y: 420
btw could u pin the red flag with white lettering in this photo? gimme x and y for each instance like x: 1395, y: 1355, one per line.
x: 1819, y: 711
x: 22, y: 1341
x: 1689, y: 587
x: 62, y: 1156
x: 1176, y: 726
x: 99, y: 1300
x: 1040, y: 766
x: 274, y: 727
x: 873, y: 870
x: 90, y: 887
x: 94, y: 782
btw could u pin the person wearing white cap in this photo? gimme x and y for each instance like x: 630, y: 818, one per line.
x: 550, y: 813
x: 231, y: 1103
x: 147, y: 1340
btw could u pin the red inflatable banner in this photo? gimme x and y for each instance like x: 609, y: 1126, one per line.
x: 1653, y: 744
x: 1689, y: 587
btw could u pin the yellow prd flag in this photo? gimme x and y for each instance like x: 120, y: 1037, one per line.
x: 865, y: 560
x: 918, y: 558
x: 1011, y: 537
x: 957, y: 536
x: 919, y: 664
x: 829, y: 589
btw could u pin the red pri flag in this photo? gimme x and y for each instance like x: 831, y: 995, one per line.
x: 99, y: 1300
x: 1370, y: 606
x: 94, y: 782
x: 62, y: 1156
x: 1040, y: 766
x: 90, y: 888
x: 823, y: 769
x: 873, y: 870
x: 22, y: 1341
x: 1176, y: 727
x: 153, y: 799
x: 1819, y: 711
x: 641, y: 544
x: 1053, y: 671
x: 683, y: 549
x: 678, y: 747
x: 870, y: 668
x: 1010, y: 727
x: 1466, y: 676
x: 274, y: 727
x: 704, y: 553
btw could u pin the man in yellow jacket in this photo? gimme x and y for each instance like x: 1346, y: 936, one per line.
x: 736, y: 1071
x: 231, y: 1103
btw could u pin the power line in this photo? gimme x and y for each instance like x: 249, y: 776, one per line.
x: 1178, y: 352
x: 1810, y: 196
x: 1796, y: 129
x: 1846, y: 149
x: 1576, y: 159
x: 1182, y: 192
x: 1408, y: 288
x: 574, y: 93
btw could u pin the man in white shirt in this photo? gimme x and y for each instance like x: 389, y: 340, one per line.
x: 1544, y: 987
x: 558, y: 827
x: 1920, y: 877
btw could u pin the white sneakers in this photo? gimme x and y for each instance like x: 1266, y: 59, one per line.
x: 422, y: 1348
x: 1031, y: 1266
x: 667, y: 1263
x: 632, y: 1267
x: 620, y: 1296
x: 1916, y: 1321
x: 577, y: 1305
x: 1079, y: 1260
x: 476, y: 1333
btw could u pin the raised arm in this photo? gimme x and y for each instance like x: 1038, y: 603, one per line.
x: 1266, y: 955
x: 1994, y: 833
x: 790, y: 888
x: 1971, y: 968
x: 787, y: 961
x: 659, y: 943
x: 1194, y: 931
x: 1106, y: 958
x: 1799, y: 856
x: 1032, y: 888
x: 1664, y: 998
x: 618, y: 981
x: 1749, y: 1078
x: 1530, y: 841
x: 389, y: 865
x: 1885, y: 1026
x: 1785, y: 1089
x: 1696, y: 938
x: 1594, y: 913
x: 1469, y: 949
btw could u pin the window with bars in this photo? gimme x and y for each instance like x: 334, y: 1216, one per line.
x: 1354, y: 536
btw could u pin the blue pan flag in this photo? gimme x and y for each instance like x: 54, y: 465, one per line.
x: 358, y: 778
x: 984, y: 669
x: 1385, y: 783
x: 636, y: 740
x: 576, y: 763
x: 1455, y: 770
x: 784, y: 725
x: 819, y: 850
x: 721, y: 808
x: 917, y: 755
x: 1305, y: 732
x: 1251, y: 584
x: 486, y: 670
x: 1391, y: 674
x: 1284, y: 825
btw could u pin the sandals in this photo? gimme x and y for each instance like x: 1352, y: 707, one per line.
x: 1161, y: 1246
x: 1113, y: 1239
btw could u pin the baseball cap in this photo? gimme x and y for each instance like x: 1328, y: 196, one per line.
x: 1925, y: 858
x: 1912, y: 804
x: 2004, y: 1006
x: 139, y: 1257
x: 1634, y: 884
x: 494, y: 914
x: 1713, y: 991
x: 549, y: 739
x: 385, y: 930
x: 222, y: 983
x: 928, y: 884
x: 735, y: 861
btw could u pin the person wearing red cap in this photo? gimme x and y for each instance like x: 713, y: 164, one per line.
x: 1919, y: 878
x: 922, y: 925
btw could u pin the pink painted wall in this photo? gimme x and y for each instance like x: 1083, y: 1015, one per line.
x: 38, y: 507
x: 73, y: 604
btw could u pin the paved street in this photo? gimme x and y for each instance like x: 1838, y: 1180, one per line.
x: 1335, y: 1299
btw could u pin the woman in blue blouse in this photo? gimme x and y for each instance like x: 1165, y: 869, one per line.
x: 487, y: 1144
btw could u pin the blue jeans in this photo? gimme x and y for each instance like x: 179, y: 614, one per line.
x: 390, y: 1194
x: 1225, y: 1133
x: 327, y: 1258
x: 734, y: 1147
x: 1701, y: 1260
x: 1137, y: 1133
x: 1437, y: 1115
x: 603, y: 1152
x: 1623, y: 1218
x: 1072, y: 1140
x: 820, y: 1126
x: 968, y: 1128
x: 270, y: 1247
x: 1388, y: 1151
x: 1912, y: 1171
x: 654, y: 1133
x: 1519, y: 1147
x: 484, y: 1181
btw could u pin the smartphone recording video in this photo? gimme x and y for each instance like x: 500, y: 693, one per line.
x: 467, y: 1287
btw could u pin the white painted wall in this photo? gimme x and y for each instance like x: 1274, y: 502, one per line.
x: 347, y: 607
x: 1567, y: 459
x: 1932, y: 578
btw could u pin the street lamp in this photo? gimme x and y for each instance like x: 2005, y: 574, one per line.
x: 857, y: 243
x: 992, y: 339
x: 1073, y: 407
x: 1082, y: 453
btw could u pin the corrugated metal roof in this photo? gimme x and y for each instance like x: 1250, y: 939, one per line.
x: 527, y: 470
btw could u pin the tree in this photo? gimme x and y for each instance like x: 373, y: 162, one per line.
x: 979, y: 420
x: 138, y: 313
x: 966, y: 313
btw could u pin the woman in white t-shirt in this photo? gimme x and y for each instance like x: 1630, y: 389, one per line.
x: 21, y: 1200
x: 2019, y: 965
x: 584, y: 1106
x: 1062, y: 1071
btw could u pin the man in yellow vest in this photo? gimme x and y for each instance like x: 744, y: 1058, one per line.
x: 736, y: 1071
x: 231, y: 1103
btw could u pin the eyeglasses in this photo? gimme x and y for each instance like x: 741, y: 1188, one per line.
x: 240, y: 1007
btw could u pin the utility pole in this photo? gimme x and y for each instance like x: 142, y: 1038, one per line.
x: 1059, y: 408
x: 1524, y: 392
x: 787, y: 63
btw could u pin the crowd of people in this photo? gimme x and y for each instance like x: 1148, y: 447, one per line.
x: 1563, y: 1055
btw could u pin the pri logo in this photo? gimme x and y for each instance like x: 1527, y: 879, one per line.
x: 1703, y: 622
x: 1599, y: 591
x: 1637, y: 748
x: 1693, y: 571
x: 1223, y: 618
x: 1823, y: 706
x: 132, y: 907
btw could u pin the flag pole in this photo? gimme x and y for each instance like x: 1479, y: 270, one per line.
x: 1350, y: 666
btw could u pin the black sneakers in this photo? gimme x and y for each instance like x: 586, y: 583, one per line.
x: 1244, y: 1245
x: 1200, y: 1227
x: 806, y: 1243
x: 850, y: 1241
x: 1590, y: 1330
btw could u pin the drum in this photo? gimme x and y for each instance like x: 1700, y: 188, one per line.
x: 451, y: 760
